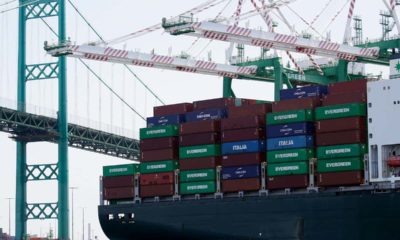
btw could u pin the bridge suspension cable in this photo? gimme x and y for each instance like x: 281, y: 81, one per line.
x: 126, y: 66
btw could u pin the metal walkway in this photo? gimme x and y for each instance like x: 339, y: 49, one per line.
x: 34, y: 128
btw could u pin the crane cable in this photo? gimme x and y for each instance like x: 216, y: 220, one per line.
x: 335, y: 16
x: 97, y: 76
x: 126, y: 66
x: 204, y: 6
x: 198, y: 38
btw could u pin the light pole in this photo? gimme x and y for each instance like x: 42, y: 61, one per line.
x: 83, y: 223
x: 9, y: 215
x: 72, y: 197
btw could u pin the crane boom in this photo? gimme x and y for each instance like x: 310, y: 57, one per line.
x: 217, y: 31
x: 150, y: 60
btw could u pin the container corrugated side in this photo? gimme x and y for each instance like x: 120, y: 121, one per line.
x: 197, y: 175
x: 290, y: 117
x: 339, y: 151
x: 120, y: 170
x: 292, y: 142
x: 200, y: 151
x: 197, y: 187
x: 340, y: 164
x: 289, y: 168
x: 290, y: 129
x: 160, y: 166
x: 290, y: 155
x: 158, y: 132
x: 341, y: 111
x: 243, y: 147
x: 249, y: 171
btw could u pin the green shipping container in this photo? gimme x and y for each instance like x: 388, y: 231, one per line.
x: 197, y: 187
x: 159, y: 132
x: 200, y: 151
x: 290, y: 168
x: 342, y: 151
x: 160, y: 166
x: 120, y: 170
x: 340, y: 165
x: 290, y: 117
x: 341, y: 111
x: 197, y: 175
x: 290, y: 155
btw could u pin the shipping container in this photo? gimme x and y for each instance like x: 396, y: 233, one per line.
x: 340, y: 178
x: 249, y: 110
x: 120, y: 170
x: 200, y: 127
x: 242, y: 122
x: 290, y: 181
x: 243, y: 147
x: 303, y: 141
x: 119, y: 181
x: 239, y: 172
x: 344, y: 98
x: 296, y: 104
x: 288, y: 168
x: 197, y: 175
x: 199, y: 163
x: 341, y: 111
x: 339, y: 151
x: 216, y: 103
x: 118, y: 193
x: 290, y: 129
x: 200, y: 139
x: 304, y: 92
x: 341, y: 124
x: 290, y: 117
x: 180, y: 108
x: 157, y: 167
x: 340, y: 138
x: 243, y: 159
x: 236, y: 185
x: 207, y: 114
x: 158, y: 143
x: 348, y: 87
x: 157, y: 178
x: 173, y: 119
x: 197, y: 187
x: 340, y: 165
x: 159, y: 132
x: 159, y: 155
x: 200, y: 151
x: 290, y: 155
x: 243, y: 134
x: 157, y: 190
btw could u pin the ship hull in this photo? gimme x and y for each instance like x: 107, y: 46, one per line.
x: 337, y: 215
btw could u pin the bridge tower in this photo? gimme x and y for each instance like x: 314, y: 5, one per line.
x: 35, y: 11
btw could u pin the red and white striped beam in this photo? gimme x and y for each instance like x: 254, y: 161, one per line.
x: 108, y: 54
x: 278, y: 41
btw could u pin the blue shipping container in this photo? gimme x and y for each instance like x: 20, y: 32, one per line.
x: 250, y: 171
x: 304, y: 141
x: 290, y: 129
x: 303, y: 92
x: 173, y: 119
x: 216, y: 113
x: 243, y: 147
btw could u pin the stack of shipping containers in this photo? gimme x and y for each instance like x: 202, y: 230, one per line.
x: 119, y: 182
x: 290, y: 137
x: 159, y: 150
x: 243, y: 148
x: 200, y: 147
x: 342, y: 135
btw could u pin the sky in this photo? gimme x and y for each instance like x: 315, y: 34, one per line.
x: 91, y: 104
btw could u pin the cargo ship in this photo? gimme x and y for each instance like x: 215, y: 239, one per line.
x: 321, y: 163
